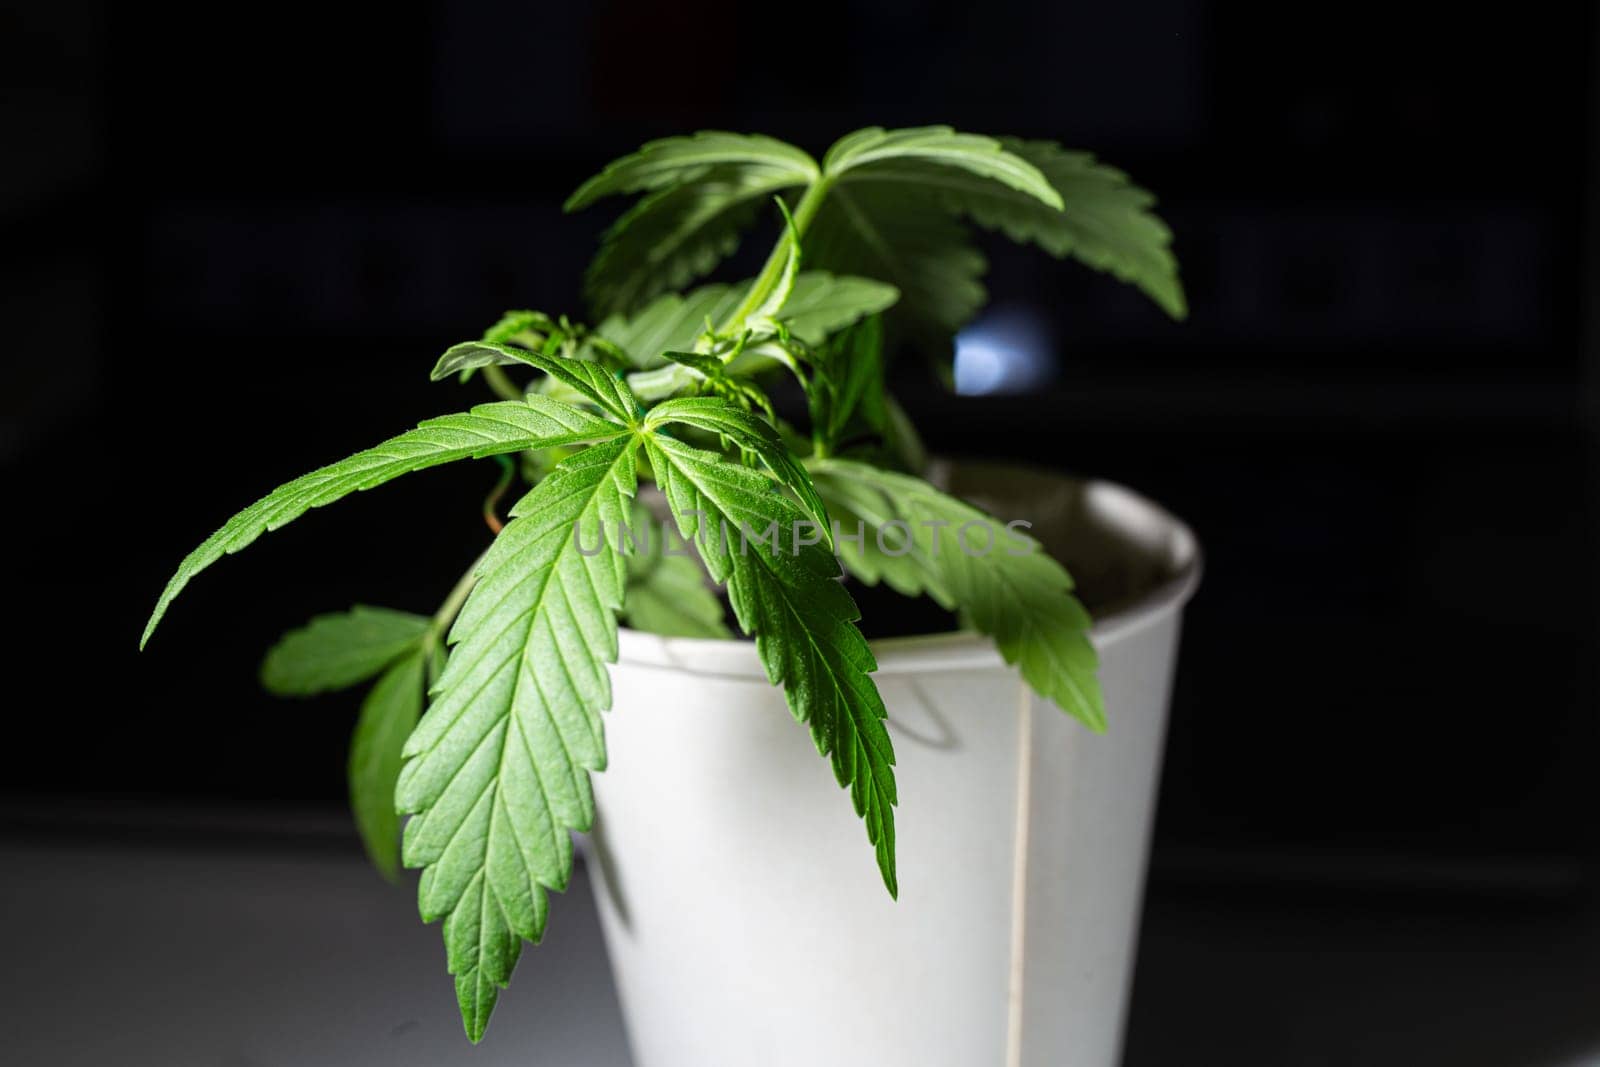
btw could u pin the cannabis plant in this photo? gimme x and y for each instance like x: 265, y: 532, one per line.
x: 675, y: 386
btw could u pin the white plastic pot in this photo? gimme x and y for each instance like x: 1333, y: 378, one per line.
x: 743, y: 913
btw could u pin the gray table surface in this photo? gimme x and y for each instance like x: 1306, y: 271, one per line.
x: 250, y: 952
x: 269, y: 957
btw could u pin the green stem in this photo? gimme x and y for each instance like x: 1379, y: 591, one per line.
x: 452, y: 604
x: 663, y: 382
x: 804, y: 212
x: 501, y: 383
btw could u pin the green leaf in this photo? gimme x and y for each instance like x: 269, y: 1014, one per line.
x: 669, y: 323
x: 902, y: 236
x: 822, y: 304
x: 487, y: 430
x: 709, y: 367
x: 852, y: 382
x: 338, y: 650
x: 857, y: 505
x: 671, y: 600
x: 513, y: 323
x: 675, y: 235
x: 497, y: 771
x: 388, y: 715
x: 667, y: 592
x: 1015, y: 592
x: 900, y: 434
x: 718, y: 378
x: 801, y: 617
x: 677, y: 159
x: 938, y: 148
x: 523, y: 327
x: 1107, y: 222
x: 751, y: 433
x: 590, y: 381
x: 819, y: 305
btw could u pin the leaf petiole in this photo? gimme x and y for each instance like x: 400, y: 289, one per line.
x: 772, y: 273
x: 439, y: 625
x: 501, y: 383
x: 491, y: 503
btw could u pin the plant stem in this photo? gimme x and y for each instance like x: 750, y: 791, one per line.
x: 452, y: 604
x: 804, y: 212
x: 491, y: 503
x: 501, y: 383
x: 665, y: 381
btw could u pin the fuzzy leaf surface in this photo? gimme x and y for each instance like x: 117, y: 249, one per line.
x: 669, y: 323
x: 903, y: 237
x: 673, y: 160
x: 675, y: 235
x: 388, y: 715
x: 851, y: 383
x: 337, y: 650
x: 1107, y: 221
x: 751, y: 433
x: 487, y: 430
x: 822, y: 304
x: 590, y: 381
x: 939, y: 148
x: 667, y: 592
x: 1015, y: 592
x: 802, y: 619
x: 519, y: 322
x: 496, y: 774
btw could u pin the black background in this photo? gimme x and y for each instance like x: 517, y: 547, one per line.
x: 233, y: 243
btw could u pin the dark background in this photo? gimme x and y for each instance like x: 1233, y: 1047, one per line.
x: 233, y: 243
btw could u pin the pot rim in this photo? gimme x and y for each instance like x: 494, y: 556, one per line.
x: 1139, y: 521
